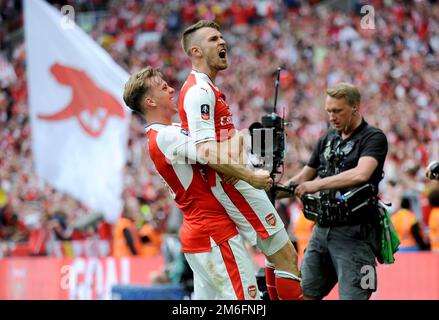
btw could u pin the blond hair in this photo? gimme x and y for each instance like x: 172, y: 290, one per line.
x: 189, y: 32
x: 346, y: 91
x: 137, y: 86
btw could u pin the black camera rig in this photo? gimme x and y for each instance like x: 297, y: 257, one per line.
x: 268, y: 142
x: 341, y: 210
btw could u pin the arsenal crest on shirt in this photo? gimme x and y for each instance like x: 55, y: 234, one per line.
x: 271, y: 219
x: 252, y: 291
x: 205, y: 112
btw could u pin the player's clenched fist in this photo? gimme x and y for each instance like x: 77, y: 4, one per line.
x: 261, y: 179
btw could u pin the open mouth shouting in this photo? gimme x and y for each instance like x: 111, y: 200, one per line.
x: 222, y: 53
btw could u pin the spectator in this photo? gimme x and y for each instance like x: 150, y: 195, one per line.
x: 302, y: 229
x: 59, y: 226
x: 408, y: 228
x: 126, y: 240
x: 11, y: 226
x: 150, y: 241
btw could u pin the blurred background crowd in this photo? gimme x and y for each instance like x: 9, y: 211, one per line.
x: 395, y: 65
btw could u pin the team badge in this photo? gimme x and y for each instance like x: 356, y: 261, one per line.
x: 252, y: 291
x: 205, y: 112
x: 271, y: 219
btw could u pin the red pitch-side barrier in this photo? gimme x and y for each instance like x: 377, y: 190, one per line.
x: 79, y: 278
x: 412, y: 276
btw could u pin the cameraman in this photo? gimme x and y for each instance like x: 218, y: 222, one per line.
x: 350, y: 155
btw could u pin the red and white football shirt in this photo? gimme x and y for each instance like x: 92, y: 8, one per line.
x: 205, y: 221
x: 206, y: 115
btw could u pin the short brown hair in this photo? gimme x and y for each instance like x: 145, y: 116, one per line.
x: 347, y: 91
x: 137, y: 86
x: 190, y: 31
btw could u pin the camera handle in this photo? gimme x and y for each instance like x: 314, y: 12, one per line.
x: 279, y: 187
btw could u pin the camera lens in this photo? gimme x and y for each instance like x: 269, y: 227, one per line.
x: 434, y: 168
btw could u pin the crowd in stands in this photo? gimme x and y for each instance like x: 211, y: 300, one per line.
x: 395, y: 65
